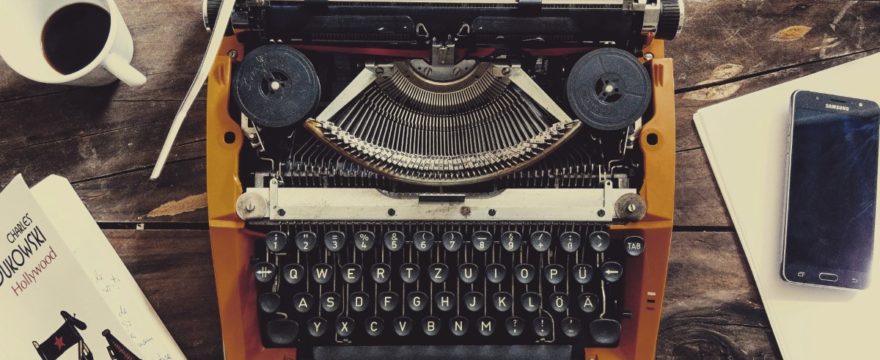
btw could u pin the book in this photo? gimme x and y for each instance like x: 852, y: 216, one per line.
x: 64, y: 292
x: 745, y: 141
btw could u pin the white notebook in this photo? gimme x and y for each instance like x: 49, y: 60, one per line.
x: 65, y: 293
x: 744, y: 139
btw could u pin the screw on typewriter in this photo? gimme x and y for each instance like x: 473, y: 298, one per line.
x: 446, y: 179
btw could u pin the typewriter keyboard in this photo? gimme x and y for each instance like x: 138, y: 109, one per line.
x: 441, y: 284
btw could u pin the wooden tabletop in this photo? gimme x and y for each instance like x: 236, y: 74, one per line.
x: 105, y: 140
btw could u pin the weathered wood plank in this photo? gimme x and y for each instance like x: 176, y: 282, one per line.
x: 712, y: 308
x: 174, y: 270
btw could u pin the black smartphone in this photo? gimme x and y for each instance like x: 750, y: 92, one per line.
x: 831, y: 190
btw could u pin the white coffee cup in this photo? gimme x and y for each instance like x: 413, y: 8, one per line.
x: 21, y: 45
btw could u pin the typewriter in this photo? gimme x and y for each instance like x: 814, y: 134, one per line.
x: 441, y: 179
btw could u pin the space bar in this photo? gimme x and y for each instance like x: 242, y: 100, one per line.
x: 444, y: 352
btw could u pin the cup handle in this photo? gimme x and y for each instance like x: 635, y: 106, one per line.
x: 120, y: 68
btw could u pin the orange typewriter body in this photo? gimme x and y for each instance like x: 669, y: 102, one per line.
x: 232, y: 248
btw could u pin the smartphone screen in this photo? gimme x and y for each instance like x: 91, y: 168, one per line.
x: 832, y: 191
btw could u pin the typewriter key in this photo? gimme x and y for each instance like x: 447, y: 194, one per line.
x: 431, y: 325
x: 317, y: 327
x: 305, y: 240
x: 609, y: 89
x: 423, y: 240
x: 473, y: 301
x: 502, y: 301
x: 515, y: 325
x: 276, y: 241
x: 531, y: 301
x: 293, y: 273
x: 542, y: 326
x: 264, y: 272
x: 364, y: 240
x: 559, y: 302
x: 403, y: 326
x: 571, y: 327
x: 344, y: 326
x: 599, y: 240
x: 486, y: 326
x: 511, y: 240
x: 374, y: 326
x: 495, y: 273
x: 276, y: 86
x: 458, y: 325
x: 587, y: 302
x: 570, y: 241
x: 269, y: 302
x: 282, y: 332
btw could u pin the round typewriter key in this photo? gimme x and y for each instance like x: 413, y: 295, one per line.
x: 388, y: 300
x: 317, y: 326
x: 452, y: 240
x: 486, y: 326
x: 282, y: 332
x: 359, y: 301
x: 587, y: 302
x: 344, y: 326
x: 269, y: 302
x: 524, y: 273
x: 554, y: 274
x: 351, y: 273
x: 331, y: 301
x: 438, y: 272
x: 305, y: 240
x: 374, y: 326
x: 264, y: 272
x: 468, y: 273
x: 482, y: 240
x: 458, y: 325
x: 542, y: 326
x: 416, y: 300
x: 431, y: 325
x: 276, y: 241
x: 515, y: 325
x: 473, y: 301
x: 334, y: 240
x: 444, y: 300
x: 559, y: 302
x: 635, y: 245
x: 570, y: 241
x: 409, y: 273
x: 303, y: 302
x: 582, y: 273
x: 511, y: 240
x: 540, y: 241
x: 423, y: 240
x: 364, y: 240
x: 403, y: 326
x: 502, y: 301
x: 276, y: 86
x: 394, y: 240
x: 599, y: 240
x: 322, y: 273
x: 293, y: 273
x: 611, y: 271
x: 608, y: 89
x: 571, y: 327
x: 380, y: 273
x: 495, y: 273
x: 531, y: 301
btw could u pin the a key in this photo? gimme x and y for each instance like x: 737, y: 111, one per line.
x: 282, y: 332
x: 388, y: 301
x: 409, y: 273
x: 452, y: 240
x: 525, y: 273
x: 380, y: 273
x: 364, y: 240
x: 587, y: 302
x: 269, y: 302
x: 486, y: 326
x: 540, y: 241
x: 322, y: 273
x: 515, y: 325
x: 611, y: 271
x: 293, y: 273
x: 331, y: 301
x: 423, y: 240
x: 495, y: 273
x: 276, y: 241
x: 531, y: 301
x: 431, y: 325
x: 634, y: 245
x: 473, y: 301
x: 264, y: 272
x: 403, y: 326
x: 599, y: 240
x: 444, y: 300
x: 468, y: 272
x: 351, y: 273
x: 305, y: 240
x: 416, y: 300
x: 359, y: 301
x: 582, y: 273
x: 344, y: 326
x: 554, y: 274
x: 303, y: 302
x: 438, y: 272
x: 559, y: 302
x: 570, y: 241
x: 334, y: 240
x: 394, y: 240
x: 482, y: 240
x: 542, y: 326
x: 458, y: 325
x: 317, y: 326
x: 571, y: 326
x: 502, y: 301
x: 511, y: 240
x: 605, y: 332
x: 374, y: 326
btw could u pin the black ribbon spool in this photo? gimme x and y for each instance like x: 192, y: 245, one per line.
x: 608, y: 89
x: 276, y: 86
